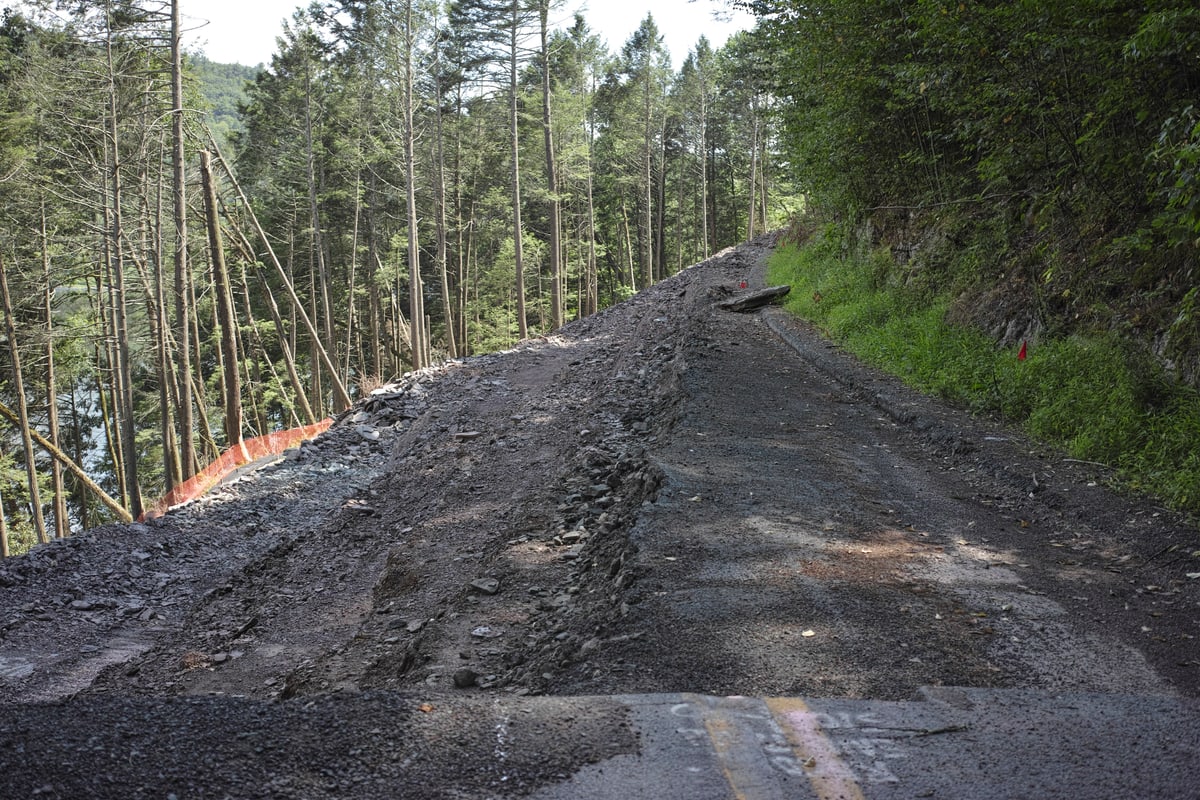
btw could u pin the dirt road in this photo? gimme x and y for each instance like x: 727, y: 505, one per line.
x: 665, y: 498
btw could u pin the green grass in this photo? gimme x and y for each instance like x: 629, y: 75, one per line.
x: 1099, y: 398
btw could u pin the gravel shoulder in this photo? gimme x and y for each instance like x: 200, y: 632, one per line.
x: 665, y: 497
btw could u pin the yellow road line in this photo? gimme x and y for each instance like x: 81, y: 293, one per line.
x: 829, y: 776
x: 722, y: 734
x: 737, y: 749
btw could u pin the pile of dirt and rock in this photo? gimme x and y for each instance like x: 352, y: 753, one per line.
x: 480, y: 507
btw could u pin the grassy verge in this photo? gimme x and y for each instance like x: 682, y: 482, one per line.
x: 1096, y: 397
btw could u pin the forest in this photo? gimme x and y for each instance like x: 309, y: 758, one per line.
x: 406, y: 182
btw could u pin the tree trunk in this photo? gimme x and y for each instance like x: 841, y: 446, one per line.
x: 187, y: 423
x: 593, y: 279
x: 514, y: 153
x: 353, y: 338
x: 18, y: 387
x: 255, y: 364
x: 104, y: 365
x: 647, y: 223
x: 225, y: 315
x: 168, y: 388
x: 374, y: 300
x: 628, y: 254
x: 325, y: 312
x: 3, y: 530
x: 440, y: 199
x: 753, y: 193
x: 121, y: 512
x: 416, y: 309
x: 461, y: 247
x: 704, y: 163
x: 659, y: 238
x: 125, y: 409
x: 555, y: 223
x: 79, y: 490
x: 62, y: 523
x: 754, y: 300
x: 316, y: 388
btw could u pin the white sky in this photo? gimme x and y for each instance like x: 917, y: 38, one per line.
x: 244, y: 31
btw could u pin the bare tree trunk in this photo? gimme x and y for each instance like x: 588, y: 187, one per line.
x: 440, y: 199
x: 416, y: 290
x: 104, y: 392
x: 168, y: 387
x: 593, y: 280
x: 374, y: 301
x: 254, y: 365
x: 187, y: 423
x: 659, y: 238
x: 628, y: 247
x: 3, y: 531
x: 753, y: 193
x: 207, y: 442
x: 35, y: 499
x: 514, y: 152
x: 680, y: 200
x: 125, y: 409
x: 463, y: 246
x: 78, y: 491
x: 325, y: 313
x: 352, y: 324
x: 62, y: 526
x: 646, y: 228
x: 763, y: 162
x: 316, y: 387
x: 72, y: 466
x: 556, y: 289
x: 704, y: 162
x: 710, y: 202
x: 225, y: 316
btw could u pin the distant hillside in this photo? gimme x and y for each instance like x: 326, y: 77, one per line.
x: 223, y: 87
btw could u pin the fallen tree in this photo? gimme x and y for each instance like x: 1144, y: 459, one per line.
x: 122, y: 513
x: 755, y: 300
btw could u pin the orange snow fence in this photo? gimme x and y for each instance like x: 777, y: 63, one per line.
x: 246, y: 451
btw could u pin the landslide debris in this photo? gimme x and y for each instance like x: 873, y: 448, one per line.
x: 465, y: 526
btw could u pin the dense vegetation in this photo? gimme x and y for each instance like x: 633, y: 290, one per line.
x: 404, y: 182
x: 1000, y: 173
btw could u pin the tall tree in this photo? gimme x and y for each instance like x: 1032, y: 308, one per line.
x: 112, y: 31
x: 555, y: 203
x: 226, y: 320
x: 183, y: 311
x: 419, y: 341
x: 501, y: 28
x: 62, y: 522
x: 445, y: 80
x: 14, y: 351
